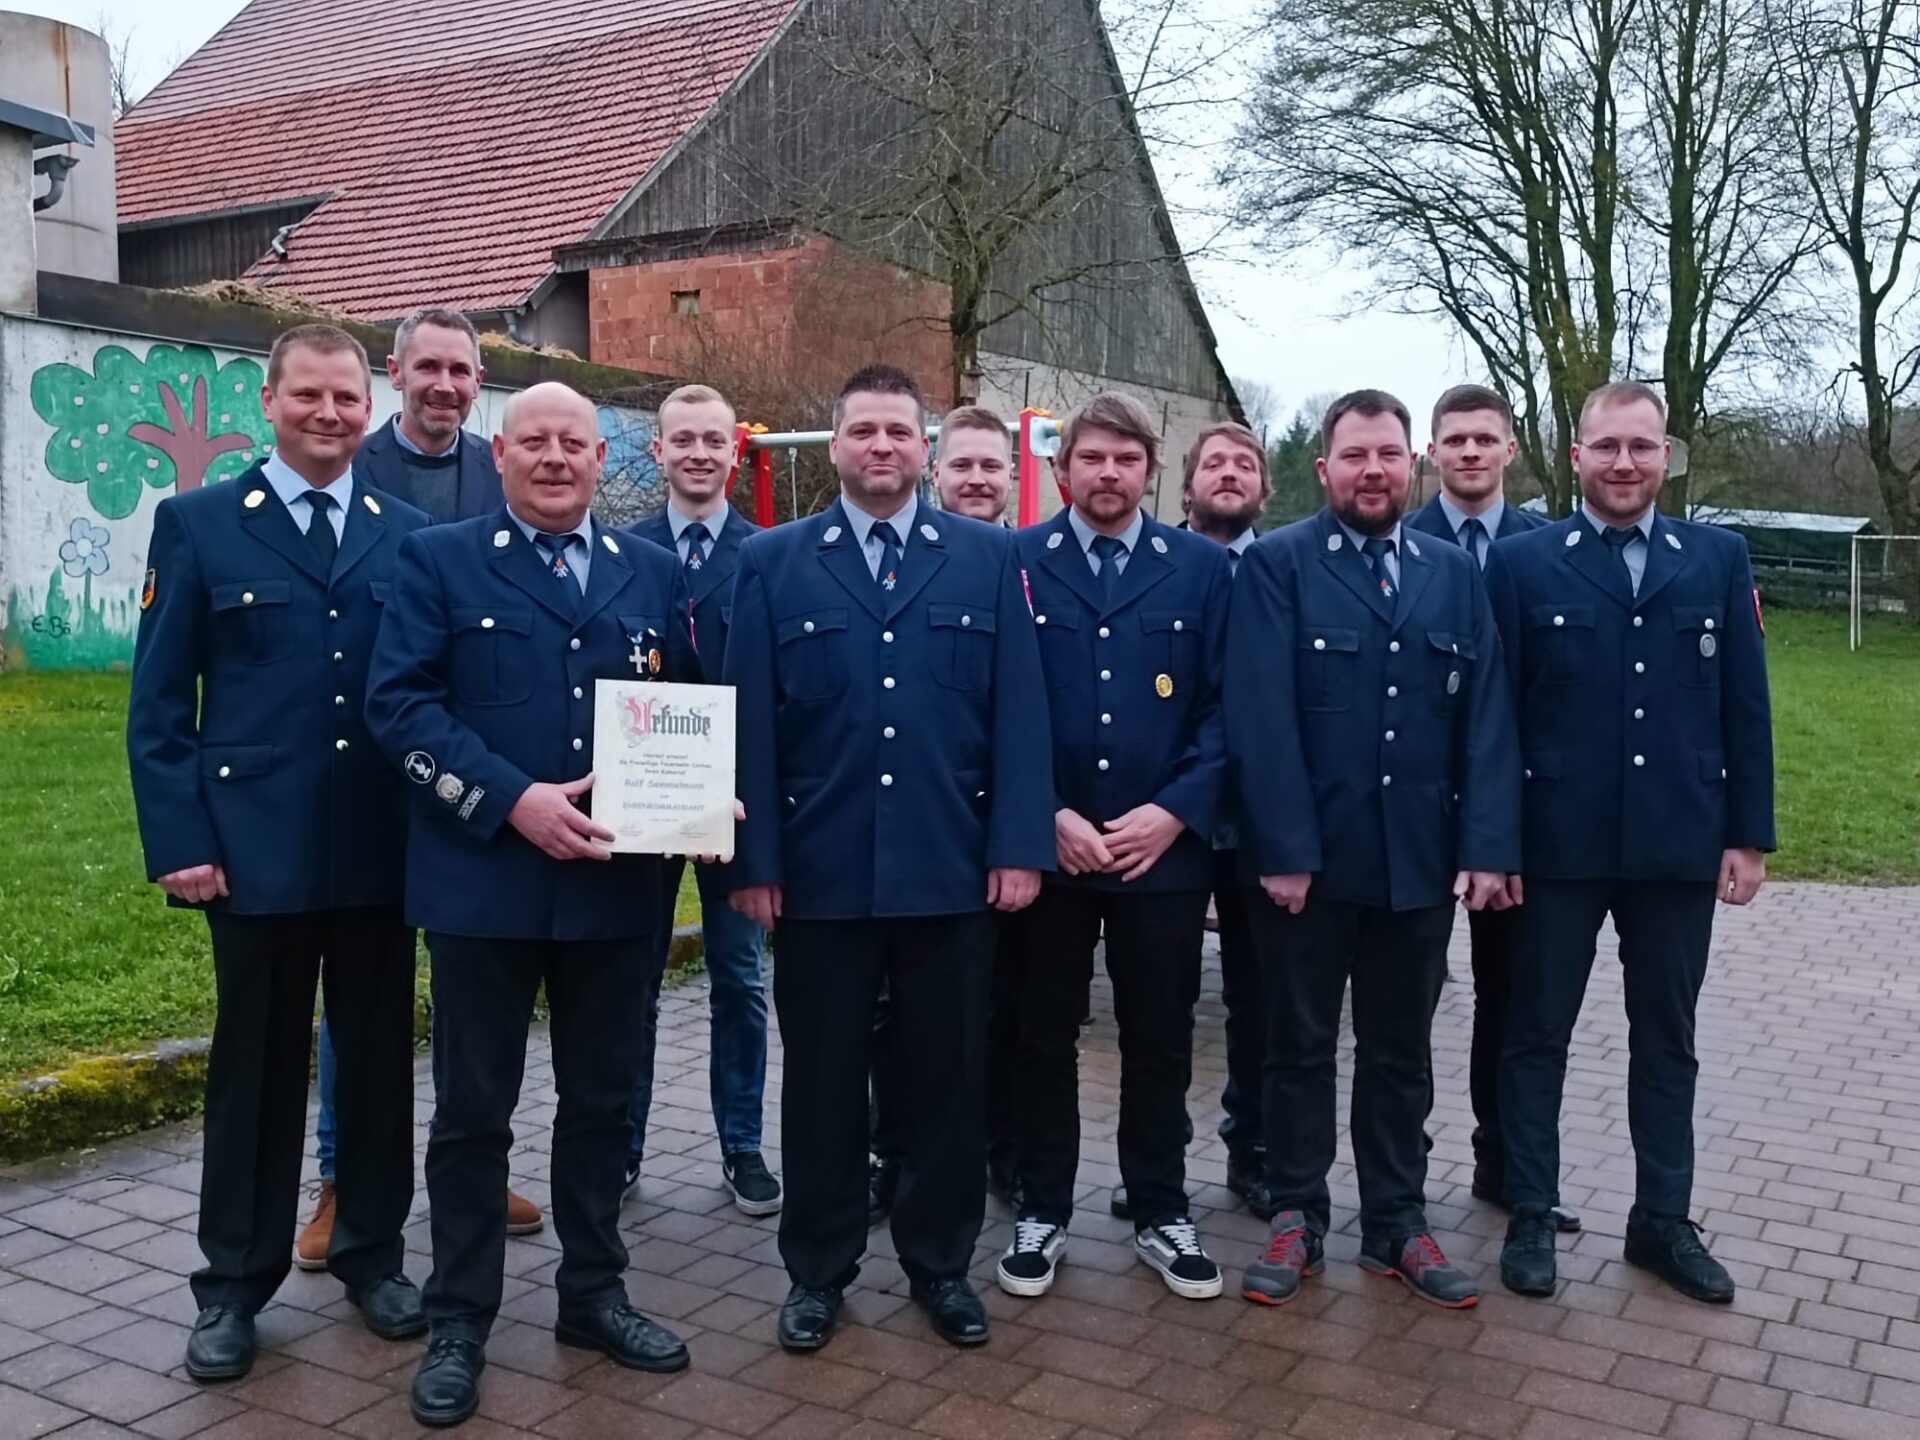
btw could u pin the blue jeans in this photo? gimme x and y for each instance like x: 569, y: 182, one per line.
x: 735, y: 954
x: 323, y: 1127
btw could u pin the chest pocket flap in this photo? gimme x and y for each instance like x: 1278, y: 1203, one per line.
x: 1323, y: 637
x: 1699, y: 617
x: 814, y: 622
x: 976, y: 618
x: 1561, y: 617
x: 502, y: 622
x: 1179, y: 621
x: 244, y: 594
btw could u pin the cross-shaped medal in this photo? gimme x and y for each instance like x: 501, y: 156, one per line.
x: 638, y: 659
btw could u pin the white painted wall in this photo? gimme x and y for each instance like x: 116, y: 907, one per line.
x: 91, y: 440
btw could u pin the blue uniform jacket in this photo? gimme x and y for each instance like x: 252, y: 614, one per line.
x: 893, y: 746
x: 1118, y: 741
x: 711, y: 584
x: 1645, y: 725
x: 1375, y: 747
x: 381, y: 462
x: 1433, y: 520
x: 244, y: 732
x: 483, y: 683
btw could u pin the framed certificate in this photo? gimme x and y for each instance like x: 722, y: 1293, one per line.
x: 663, y: 766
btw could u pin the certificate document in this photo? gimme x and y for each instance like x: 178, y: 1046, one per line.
x: 663, y: 766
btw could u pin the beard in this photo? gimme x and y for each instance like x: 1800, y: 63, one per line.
x: 1381, y: 524
x: 1233, y: 513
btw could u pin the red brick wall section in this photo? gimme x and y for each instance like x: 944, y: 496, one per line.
x: 807, y: 315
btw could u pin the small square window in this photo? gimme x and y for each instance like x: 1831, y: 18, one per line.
x: 686, y: 302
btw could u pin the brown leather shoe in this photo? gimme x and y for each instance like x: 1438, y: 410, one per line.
x: 310, y: 1250
x: 523, y: 1216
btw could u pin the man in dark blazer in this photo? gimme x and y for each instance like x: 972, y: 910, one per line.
x: 426, y: 457
x: 1132, y: 621
x: 424, y: 454
x: 481, y: 693
x: 694, y: 446
x: 1372, y: 734
x: 1635, y: 650
x: 895, y: 768
x: 263, y: 802
x: 1472, y: 446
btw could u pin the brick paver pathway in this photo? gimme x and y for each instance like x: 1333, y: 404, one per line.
x: 1809, y: 1185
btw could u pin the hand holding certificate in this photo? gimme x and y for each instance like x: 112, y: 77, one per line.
x: 663, y: 767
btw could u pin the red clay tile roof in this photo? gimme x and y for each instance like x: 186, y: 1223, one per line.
x: 457, y: 141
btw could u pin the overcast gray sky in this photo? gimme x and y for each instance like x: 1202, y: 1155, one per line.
x: 1300, y: 331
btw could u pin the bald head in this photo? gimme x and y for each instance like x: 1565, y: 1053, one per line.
x: 550, y: 455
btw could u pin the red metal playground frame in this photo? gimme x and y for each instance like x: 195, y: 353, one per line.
x: 1037, y: 439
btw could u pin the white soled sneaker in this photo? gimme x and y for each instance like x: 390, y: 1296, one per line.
x: 1174, y: 1250
x: 1029, y: 1264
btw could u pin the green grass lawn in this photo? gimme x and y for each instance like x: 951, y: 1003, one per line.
x: 91, y: 958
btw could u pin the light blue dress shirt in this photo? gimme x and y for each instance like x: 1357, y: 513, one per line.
x: 1635, y: 551
x: 1128, y: 538
x: 715, y: 523
x: 870, y: 545
x: 1391, y: 559
x: 292, y: 488
x: 1489, y: 519
x: 578, y: 550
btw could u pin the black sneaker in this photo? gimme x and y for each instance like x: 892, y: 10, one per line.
x: 1028, y: 1266
x: 1173, y: 1248
x: 1417, y: 1262
x: 755, y: 1190
x: 1247, y: 1178
x: 1670, y: 1246
x: 630, y: 1186
x: 1527, y: 1259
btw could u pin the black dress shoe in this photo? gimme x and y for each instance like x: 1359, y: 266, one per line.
x: 446, y: 1387
x: 1527, y: 1260
x: 391, y: 1308
x: 807, y: 1317
x: 1670, y: 1247
x: 955, y: 1310
x: 1247, y: 1178
x: 883, y: 1180
x: 626, y: 1337
x: 221, y: 1346
x: 1117, y: 1205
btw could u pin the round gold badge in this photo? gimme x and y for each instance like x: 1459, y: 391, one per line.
x: 1163, y: 686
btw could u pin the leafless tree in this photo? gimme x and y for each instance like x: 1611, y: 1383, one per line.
x: 120, y: 49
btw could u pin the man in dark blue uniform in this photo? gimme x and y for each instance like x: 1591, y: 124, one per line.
x: 1634, y: 646
x: 895, y: 768
x: 426, y: 457
x: 1380, y: 782
x: 694, y: 448
x: 481, y: 693
x: 1472, y: 446
x: 262, y: 801
x: 1132, y: 621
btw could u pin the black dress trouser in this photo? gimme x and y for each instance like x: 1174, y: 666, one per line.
x: 1153, y: 959
x: 1495, y: 935
x: 1396, y: 961
x: 827, y: 979
x: 483, y: 994
x: 1243, y: 1123
x: 265, y: 969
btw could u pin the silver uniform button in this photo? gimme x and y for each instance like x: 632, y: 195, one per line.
x: 1039, y: 619
x: 339, y: 699
x: 337, y: 655
x: 1393, y: 646
x: 1639, y: 714
x: 1392, y: 691
x: 339, y: 744
x: 808, y: 627
x: 1106, y: 674
x: 1639, y: 759
x: 487, y: 623
x: 1106, y: 719
x: 333, y: 614
x: 888, y: 682
x: 1386, y: 779
x: 1105, y: 632
x: 247, y: 599
x: 1639, y: 667
x: 1638, y: 622
x: 1709, y: 624
x: 1179, y: 624
x: 225, y: 771
x: 1528, y: 774
x: 886, y: 779
x: 888, y: 732
x: 1559, y: 619
x: 1389, y: 735
x: 966, y: 619
x: 578, y: 743
x: 574, y: 644
x: 1319, y: 644
x: 1103, y: 765
x: 578, y: 692
x: 887, y: 635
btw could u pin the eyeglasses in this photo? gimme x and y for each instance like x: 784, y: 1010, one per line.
x: 1642, y: 451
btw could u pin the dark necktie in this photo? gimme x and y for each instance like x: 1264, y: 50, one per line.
x: 696, y: 537
x: 1470, y: 536
x: 320, y: 530
x: 1108, y: 549
x: 1617, y: 540
x: 1376, y: 548
x: 554, y: 547
x: 1233, y: 562
x: 888, y: 571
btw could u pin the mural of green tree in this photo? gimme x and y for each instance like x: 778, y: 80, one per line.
x: 177, y: 418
